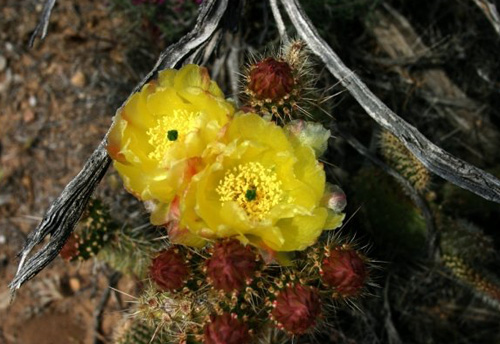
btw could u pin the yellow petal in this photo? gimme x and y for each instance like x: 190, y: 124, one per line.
x: 301, y: 231
x: 166, y: 77
x: 334, y: 220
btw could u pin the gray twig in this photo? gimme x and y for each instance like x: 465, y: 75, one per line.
x: 43, y: 23
x: 114, y: 278
x: 491, y: 13
x: 433, y: 157
x: 65, y: 211
x: 233, y: 66
x: 279, y: 21
x: 392, y: 332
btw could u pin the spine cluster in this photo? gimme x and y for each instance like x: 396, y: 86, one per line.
x: 227, y: 294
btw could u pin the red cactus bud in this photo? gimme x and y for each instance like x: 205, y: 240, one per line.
x: 169, y: 270
x: 296, y: 308
x: 271, y: 79
x: 225, y: 329
x: 70, y: 248
x: 345, y: 270
x: 231, y: 265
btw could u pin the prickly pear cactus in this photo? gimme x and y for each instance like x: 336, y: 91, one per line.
x: 395, y: 222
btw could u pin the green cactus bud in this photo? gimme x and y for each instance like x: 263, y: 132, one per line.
x: 404, y: 162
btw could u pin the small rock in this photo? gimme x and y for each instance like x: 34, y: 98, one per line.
x: 74, y: 284
x: 32, y: 101
x: 17, y: 78
x: 3, y: 239
x: 28, y: 116
x: 78, y: 79
x: 3, y: 63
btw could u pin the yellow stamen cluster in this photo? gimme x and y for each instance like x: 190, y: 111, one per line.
x: 253, y: 187
x: 181, y: 121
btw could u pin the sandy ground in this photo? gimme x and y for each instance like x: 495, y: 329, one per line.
x: 57, y: 101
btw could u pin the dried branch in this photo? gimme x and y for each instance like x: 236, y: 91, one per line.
x: 233, y: 67
x: 65, y: 211
x: 392, y: 333
x: 43, y: 23
x: 279, y: 21
x: 61, y: 217
x: 409, y: 189
x: 433, y: 157
x: 113, y: 280
x: 491, y: 13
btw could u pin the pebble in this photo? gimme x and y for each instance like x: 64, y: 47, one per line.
x: 74, y: 284
x: 78, y: 79
x: 28, y: 116
x: 32, y: 101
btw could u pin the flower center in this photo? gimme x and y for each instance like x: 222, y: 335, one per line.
x: 172, y: 135
x: 169, y: 129
x: 253, y: 187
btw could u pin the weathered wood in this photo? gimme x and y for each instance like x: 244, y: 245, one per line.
x: 491, y: 13
x: 433, y: 157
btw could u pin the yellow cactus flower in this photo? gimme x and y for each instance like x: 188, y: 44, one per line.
x: 262, y: 185
x: 158, y: 136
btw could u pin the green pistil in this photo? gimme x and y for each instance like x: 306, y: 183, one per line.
x: 251, y: 194
x: 172, y: 135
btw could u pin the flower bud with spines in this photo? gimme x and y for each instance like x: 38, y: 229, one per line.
x: 226, y: 328
x: 296, y: 308
x: 344, y: 269
x: 280, y: 86
x: 169, y: 269
x: 231, y: 265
